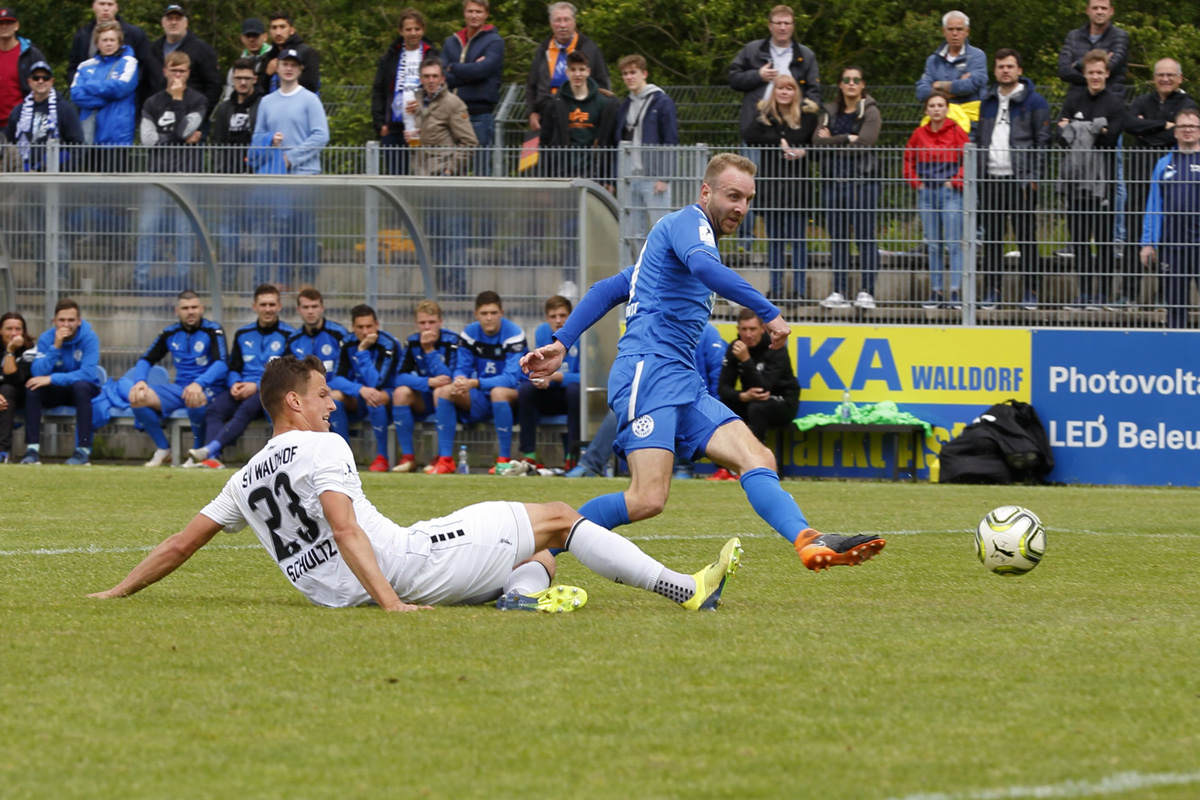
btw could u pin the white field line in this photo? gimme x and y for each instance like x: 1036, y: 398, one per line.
x: 653, y: 537
x: 1120, y: 783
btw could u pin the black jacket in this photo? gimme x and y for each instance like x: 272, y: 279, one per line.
x: 166, y: 124
x: 385, y: 83
x: 1076, y: 46
x: 205, y: 76
x: 1148, y: 115
x: 744, y: 77
x: 765, y: 369
x: 233, y: 124
x: 782, y: 182
x: 537, y: 86
x: 601, y: 109
x: 310, y: 76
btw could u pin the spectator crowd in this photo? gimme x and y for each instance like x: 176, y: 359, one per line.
x: 1128, y: 182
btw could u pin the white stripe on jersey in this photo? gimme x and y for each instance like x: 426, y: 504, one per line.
x: 637, y: 377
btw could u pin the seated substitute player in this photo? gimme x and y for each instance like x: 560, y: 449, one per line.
x: 660, y: 401
x: 430, y: 355
x: 197, y: 349
x: 365, y: 377
x: 303, y: 497
x: 557, y: 394
x: 770, y: 395
x: 66, y: 372
x: 320, y: 337
x: 253, y: 346
x: 486, y: 376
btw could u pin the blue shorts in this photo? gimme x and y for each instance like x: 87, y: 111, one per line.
x: 170, y: 397
x: 481, y: 408
x: 662, y: 404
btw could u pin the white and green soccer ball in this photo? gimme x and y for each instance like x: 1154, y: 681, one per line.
x: 1010, y: 541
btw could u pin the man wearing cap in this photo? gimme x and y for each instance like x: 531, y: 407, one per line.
x: 204, y: 76
x: 283, y: 38
x: 289, y: 134
x: 42, y: 115
x: 257, y: 48
x: 83, y: 46
x: 17, y: 55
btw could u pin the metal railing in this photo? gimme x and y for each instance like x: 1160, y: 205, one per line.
x: 825, y: 228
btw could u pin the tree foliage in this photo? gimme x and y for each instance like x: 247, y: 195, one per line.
x: 685, y: 44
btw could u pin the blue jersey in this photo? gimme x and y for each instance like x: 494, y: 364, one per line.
x: 374, y: 367
x: 710, y: 354
x: 325, y: 343
x: 1173, y: 202
x: 673, y: 285
x: 417, y: 366
x: 78, y: 360
x: 199, y: 354
x: 253, y: 347
x: 570, y: 366
x: 494, y: 360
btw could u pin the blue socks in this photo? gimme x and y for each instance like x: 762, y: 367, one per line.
x: 447, y: 420
x: 151, y: 423
x: 379, y: 426
x: 772, y: 503
x: 197, y: 417
x: 339, y: 421
x: 607, y: 510
x: 214, y: 449
x: 502, y: 413
x: 404, y: 421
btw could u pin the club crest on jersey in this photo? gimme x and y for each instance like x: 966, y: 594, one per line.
x: 79, y: 355
x: 198, y: 347
x: 706, y: 236
x: 326, y: 349
x: 276, y: 346
x: 643, y: 426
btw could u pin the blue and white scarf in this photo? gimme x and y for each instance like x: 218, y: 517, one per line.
x: 25, y: 125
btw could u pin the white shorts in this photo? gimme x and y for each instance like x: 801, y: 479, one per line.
x: 465, y: 558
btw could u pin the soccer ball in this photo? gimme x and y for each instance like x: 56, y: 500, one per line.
x: 1010, y: 541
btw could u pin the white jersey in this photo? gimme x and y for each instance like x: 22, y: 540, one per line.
x: 278, y: 495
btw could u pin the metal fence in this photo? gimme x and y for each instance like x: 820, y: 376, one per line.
x: 826, y: 229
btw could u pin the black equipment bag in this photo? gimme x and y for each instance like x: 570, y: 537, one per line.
x: 1005, y: 444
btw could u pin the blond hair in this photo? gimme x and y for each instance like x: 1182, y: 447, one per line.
x: 723, y: 161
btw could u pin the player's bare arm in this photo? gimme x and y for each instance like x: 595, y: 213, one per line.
x: 779, y: 331
x: 544, y: 361
x: 356, y: 549
x: 166, y: 558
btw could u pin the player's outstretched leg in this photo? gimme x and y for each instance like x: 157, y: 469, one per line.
x: 710, y: 581
x: 612, y: 556
x: 552, y: 600
x: 820, y: 551
x: 528, y: 589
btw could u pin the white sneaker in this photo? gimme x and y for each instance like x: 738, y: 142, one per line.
x: 197, y: 454
x: 159, y: 458
x: 864, y: 300
x: 835, y: 300
x: 190, y: 463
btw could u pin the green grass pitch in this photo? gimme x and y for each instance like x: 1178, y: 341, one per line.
x: 917, y: 675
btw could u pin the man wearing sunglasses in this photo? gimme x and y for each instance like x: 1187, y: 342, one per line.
x: 43, y: 115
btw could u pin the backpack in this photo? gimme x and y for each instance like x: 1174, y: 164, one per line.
x: 1005, y: 444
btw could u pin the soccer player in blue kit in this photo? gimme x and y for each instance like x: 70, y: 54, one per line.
x: 660, y: 401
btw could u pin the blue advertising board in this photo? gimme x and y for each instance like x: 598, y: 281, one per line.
x: 1120, y: 407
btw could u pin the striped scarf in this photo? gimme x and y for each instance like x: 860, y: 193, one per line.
x: 25, y: 125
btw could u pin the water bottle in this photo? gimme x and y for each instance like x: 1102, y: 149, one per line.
x: 844, y: 409
x: 463, y: 468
